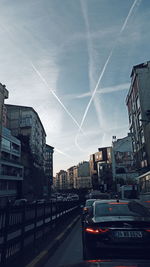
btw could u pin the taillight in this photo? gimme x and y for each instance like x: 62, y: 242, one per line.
x: 147, y: 230
x: 85, y: 209
x: 96, y: 231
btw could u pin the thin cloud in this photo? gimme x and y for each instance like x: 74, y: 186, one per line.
x: 62, y: 153
x: 54, y: 94
x: 107, y: 61
x: 105, y: 90
x: 105, y: 65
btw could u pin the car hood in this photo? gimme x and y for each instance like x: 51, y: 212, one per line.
x: 120, y: 218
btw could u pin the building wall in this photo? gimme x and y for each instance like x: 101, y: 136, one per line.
x: 3, y: 96
x: 101, y: 167
x: 83, y: 182
x: 25, y: 121
x: 61, y: 180
x: 70, y: 177
x: 11, y: 169
x: 123, y: 163
x: 49, y: 163
x: 139, y: 119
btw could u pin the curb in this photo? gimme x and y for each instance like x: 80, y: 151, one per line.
x: 44, y: 255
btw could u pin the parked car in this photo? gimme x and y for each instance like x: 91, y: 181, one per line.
x: 20, y: 202
x: 117, y: 228
x: 39, y: 201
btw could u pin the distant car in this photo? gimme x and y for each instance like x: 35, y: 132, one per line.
x: 20, y: 202
x: 116, y: 228
x: 75, y: 197
x: 39, y: 201
x: 59, y: 198
x: 86, y: 208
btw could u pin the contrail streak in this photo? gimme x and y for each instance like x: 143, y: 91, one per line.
x: 129, y: 14
x: 107, y: 61
x: 104, y: 68
x: 53, y: 93
x: 61, y: 152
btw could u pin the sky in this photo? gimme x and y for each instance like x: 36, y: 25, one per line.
x: 71, y: 61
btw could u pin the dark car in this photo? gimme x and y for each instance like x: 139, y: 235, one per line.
x: 116, y: 228
x: 86, y: 208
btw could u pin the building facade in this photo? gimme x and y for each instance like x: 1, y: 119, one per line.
x: 25, y: 122
x: 49, y: 168
x: 3, y: 96
x: 61, y: 180
x: 49, y: 163
x: 81, y: 175
x: 11, y: 169
x: 101, y: 168
x: 138, y: 103
x: 26, y: 125
x: 123, y: 163
x: 70, y: 177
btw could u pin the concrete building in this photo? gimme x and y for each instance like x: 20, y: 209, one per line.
x: 49, y: 163
x: 3, y: 96
x: 26, y: 125
x: 81, y: 175
x: 101, y: 168
x: 70, y: 177
x: 61, y: 180
x: 11, y: 169
x: 138, y: 103
x: 25, y: 122
x: 123, y: 163
x: 49, y: 168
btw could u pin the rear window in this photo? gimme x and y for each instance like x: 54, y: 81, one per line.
x: 121, y: 209
x: 89, y: 202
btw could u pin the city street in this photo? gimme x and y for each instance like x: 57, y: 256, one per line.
x: 70, y: 251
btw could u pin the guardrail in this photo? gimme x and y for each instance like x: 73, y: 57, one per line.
x: 22, y: 227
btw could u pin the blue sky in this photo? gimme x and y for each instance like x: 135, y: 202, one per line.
x: 71, y: 61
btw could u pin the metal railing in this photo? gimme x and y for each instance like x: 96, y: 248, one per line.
x: 21, y: 227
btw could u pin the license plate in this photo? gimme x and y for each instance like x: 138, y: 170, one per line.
x: 128, y: 234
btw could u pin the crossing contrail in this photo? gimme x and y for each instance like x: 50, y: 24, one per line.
x: 54, y: 94
x: 107, y: 61
x: 104, y: 67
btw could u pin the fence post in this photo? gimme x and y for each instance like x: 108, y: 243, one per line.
x: 44, y: 219
x: 23, y: 229
x: 4, y: 248
x: 35, y: 223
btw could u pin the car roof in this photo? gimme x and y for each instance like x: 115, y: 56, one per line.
x: 110, y: 200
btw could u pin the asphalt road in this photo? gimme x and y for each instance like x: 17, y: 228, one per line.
x: 70, y: 251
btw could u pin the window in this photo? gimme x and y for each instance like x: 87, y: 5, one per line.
x: 5, y: 144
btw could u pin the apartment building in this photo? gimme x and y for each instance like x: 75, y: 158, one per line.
x: 49, y: 163
x: 61, y: 180
x: 81, y: 175
x: 138, y: 103
x: 11, y: 169
x: 70, y: 177
x: 24, y: 122
x: 3, y: 96
x: 101, y: 168
x: 123, y: 163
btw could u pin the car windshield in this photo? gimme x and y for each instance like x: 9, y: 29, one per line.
x: 89, y: 202
x: 120, y: 209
